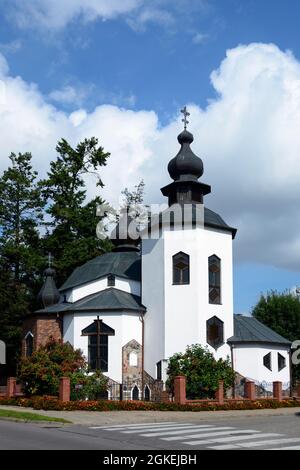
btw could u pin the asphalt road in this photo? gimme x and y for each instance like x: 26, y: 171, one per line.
x: 259, y: 433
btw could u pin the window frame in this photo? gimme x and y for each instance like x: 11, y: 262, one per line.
x: 176, y: 269
x: 215, y: 321
x: 29, y: 335
x: 92, y: 348
x: 266, y: 366
x: 215, y: 285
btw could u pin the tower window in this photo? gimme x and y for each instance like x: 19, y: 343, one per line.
x: 181, y: 269
x: 29, y: 344
x: 215, y: 332
x: 267, y: 361
x: 214, y: 271
x: 111, y: 280
x: 281, y: 362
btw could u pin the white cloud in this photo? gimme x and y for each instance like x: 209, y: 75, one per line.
x: 71, y: 94
x: 200, y: 38
x: 11, y: 47
x: 56, y: 14
x: 248, y: 138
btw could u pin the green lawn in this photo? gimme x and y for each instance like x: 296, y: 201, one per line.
x: 26, y: 416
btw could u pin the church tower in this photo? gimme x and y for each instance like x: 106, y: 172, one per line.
x: 186, y: 268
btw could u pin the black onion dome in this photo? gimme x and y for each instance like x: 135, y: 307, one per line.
x: 122, y: 237
x: 49, y: 294
x: 186, y: 165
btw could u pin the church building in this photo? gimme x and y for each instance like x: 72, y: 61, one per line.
x: 129, y: 310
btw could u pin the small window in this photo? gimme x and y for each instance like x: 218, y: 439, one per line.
x: 158, y: 371
x: 135, y: 393
x: 111, y: 280
x: 215, y: 332
x: 267, y: 361
x: 214, y: 273
x: 281, y: 362
x: 181, y: 269
x: 133, y: 359
x: 29, y: 344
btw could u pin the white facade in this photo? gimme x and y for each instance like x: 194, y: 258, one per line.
x: 248, y: 360
x: 177, y: 314
x: 79, y: 292
x: 127, y: 326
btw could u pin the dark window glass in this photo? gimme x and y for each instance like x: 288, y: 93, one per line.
x: 158, y: 370
x: 214, y: 272
x: 29, y: 345
x: 215, y: 332
x: 135, y: 393
x: 181, y: 269
x: 103, y: 353
x: 147, y: 393
x: 111, y: 280
x: 281, y: 362
x: 267, y: 361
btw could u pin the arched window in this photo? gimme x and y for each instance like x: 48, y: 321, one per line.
x: 147, y: 393
x: 133, y: 359
x: 135, y: 393
x: 29, y: 344
x: 181, y: 268
x: 214, y: 272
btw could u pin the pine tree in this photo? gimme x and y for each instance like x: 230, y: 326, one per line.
x: 21, y: 206
x: 71, y: 236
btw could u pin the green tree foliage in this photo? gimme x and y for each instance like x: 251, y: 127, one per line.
x: 41, y: 372
x: 71, y: 236
x: 21, y: 258
x: 203, y: 372
x: 281, y: 312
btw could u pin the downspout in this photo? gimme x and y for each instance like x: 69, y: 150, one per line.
x: 291, y: 373
x: 143, y: 344
x: 232, y: 366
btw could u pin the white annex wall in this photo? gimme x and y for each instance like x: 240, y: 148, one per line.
x: 77, y: 293
x: 127, y: 326
x: 248, y: 361
x: 177, y: 314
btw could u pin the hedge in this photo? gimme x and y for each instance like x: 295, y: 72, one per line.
x: 44, y: 403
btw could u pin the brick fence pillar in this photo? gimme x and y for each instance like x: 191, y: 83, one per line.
x: 219, y: 394
x: 277, y: 391
x: 180, y: 389
x: 11, y: 387
x: 250, y: 390
x: 64, y: 389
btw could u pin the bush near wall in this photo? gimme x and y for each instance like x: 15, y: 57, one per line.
x: 50, y: 403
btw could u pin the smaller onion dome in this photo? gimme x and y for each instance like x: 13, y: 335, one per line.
x: 186, y: 165
x: 49, y: 294
x: 125, y: 235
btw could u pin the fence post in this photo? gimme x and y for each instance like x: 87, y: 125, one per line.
x: 11, y: 387
x: 250, y: 390
x: 64, y: 389
x: 180, y: 389
x: 277, y: 391
x: 219, y: 394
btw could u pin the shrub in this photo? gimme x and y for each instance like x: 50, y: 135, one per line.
x: 40, y: 373
x: 203, y: 372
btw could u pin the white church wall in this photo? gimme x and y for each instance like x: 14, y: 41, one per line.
x: 77, y: 293
x: 177, y: 314
x: 68, y: 328
x: 248, y: 361
x: 127, y: 326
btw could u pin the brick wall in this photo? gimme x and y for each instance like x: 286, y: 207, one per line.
x: 42, y: 329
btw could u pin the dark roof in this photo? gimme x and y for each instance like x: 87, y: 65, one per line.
x: 214, y: 220
x: 122, y: 264
x: 108, y: 299
x: 92, y: 329
x: 250, y: 330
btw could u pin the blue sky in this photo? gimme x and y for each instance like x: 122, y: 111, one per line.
x: 151, y: 58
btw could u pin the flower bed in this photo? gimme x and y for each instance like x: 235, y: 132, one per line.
x: 49, y: 403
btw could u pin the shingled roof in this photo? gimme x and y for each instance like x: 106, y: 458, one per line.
x: 250, y: 330
x: 122, y: 264
x: 108, y: 299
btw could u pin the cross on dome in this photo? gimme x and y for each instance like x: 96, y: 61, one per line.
x: 185, y: 113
